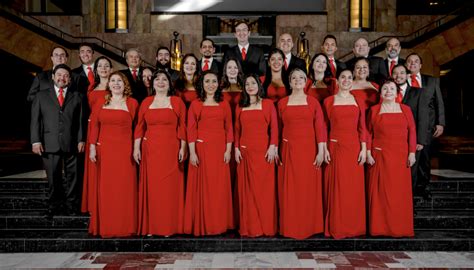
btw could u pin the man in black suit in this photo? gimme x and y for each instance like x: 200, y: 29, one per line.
x: 134, y: 74
x: 42, y: 80
x: 85, y: 72
x: 329, y: 48
x: 392, y: 48
x: 414, y: 97
x: 207, y: 61
x: 434, y: 99
x: 285, y: 44
x: 58, y: 135
x: 376, y: 64
x: 163, y: 61
x: 251, y: 57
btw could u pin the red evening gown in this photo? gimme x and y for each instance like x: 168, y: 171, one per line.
x: 89, y: 186
x: 369, y: 96
x: 255, y: 130
x: 115, y: 213
x: 187, y: 96
x: 299, y: 181
x: 390, y: 189
x: 233, y: 98
x: 208, y: 207
x: 320, y: 93
x: 344, y: 177
x: 161, y: 188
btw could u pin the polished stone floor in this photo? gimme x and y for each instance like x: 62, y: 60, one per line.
x: 328, y: 260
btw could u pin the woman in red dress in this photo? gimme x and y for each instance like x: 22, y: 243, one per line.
x: 391, y: 153
x: 111, y: 145
x: 275, y: 81
x: 344, y: 175
x: 303, y: 142
x: 320, y: 84
x: 102, y: 70
x: 185, y: 84
x: 231, y: 85
x: 208, y: 208
x: 147, y: 73
x: 160, y: 149
x: 361, y: 88
x: 256, y: 141
x: 231, y: 82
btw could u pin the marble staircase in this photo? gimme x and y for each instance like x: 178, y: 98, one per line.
x: 444, y: 222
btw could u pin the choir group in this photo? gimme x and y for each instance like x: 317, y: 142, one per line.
x: 264, y: 147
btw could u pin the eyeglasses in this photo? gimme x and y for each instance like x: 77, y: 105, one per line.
x: 59, y: 55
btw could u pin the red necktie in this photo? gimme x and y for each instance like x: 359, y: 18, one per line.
x: 244, y: 54
x: 61, y: 96
x: 414, y: 81
x: 333, y: 67
x: 392, y: 64
x: 134, y: 74
x: 206, y: 65
x: 286, y: 64
x: 90, y: 77
x: 399, y: 97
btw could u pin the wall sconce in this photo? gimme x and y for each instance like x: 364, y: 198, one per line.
x: 303, y: 49
x: 176, y: 48
x: 116, y: 13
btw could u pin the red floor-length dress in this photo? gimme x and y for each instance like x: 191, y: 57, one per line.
x: 233, y: 98
x: 370, y: 96
x: 390, y: 190
x: 89, y: 186
x: 255, y: 130
x: 344, y: 177
x: 299, y: 181
x: 187, y: 96
x: 161, y: 188
x: 320, y: 93
x: 115, y: 214
x: 208, y: 207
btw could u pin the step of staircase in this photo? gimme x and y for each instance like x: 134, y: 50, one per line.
x: 37, y: 220
x: 444, y: 222
x: 79, y: 241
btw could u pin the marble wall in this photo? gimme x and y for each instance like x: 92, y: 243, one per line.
x: 149, y: 31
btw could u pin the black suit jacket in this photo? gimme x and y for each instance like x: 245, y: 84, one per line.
x: 415, y: 99
x: 254, y: 62
x: 386, y: 65
x: 296, y: 62
x: 82, y: 79
x: 376, y: 68
x: 216, y: 66
x: 58, y: 128
x: 139, y: 91
x: 42, y: 82
x: 434, y: 101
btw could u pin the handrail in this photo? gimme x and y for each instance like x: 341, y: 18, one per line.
x: 424, y: 29
x: 66, y: 36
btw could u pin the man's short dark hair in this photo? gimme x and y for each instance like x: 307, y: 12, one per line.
x: 86, y: 44
x: 62, y: 66
x: 414, y: 53
x: 162, y: 48
x: 60, y: 47
x: 237, y: 23
x: 207, y: 39
x: 329, y: 36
